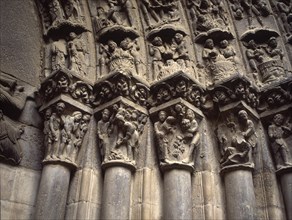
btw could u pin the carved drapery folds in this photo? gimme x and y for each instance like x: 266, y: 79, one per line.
x: 119, y: 127
x: 237, y: 138
x: 64, y: 129
x: 177, y: 132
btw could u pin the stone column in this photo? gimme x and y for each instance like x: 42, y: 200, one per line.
x: 237, y: 138
x: 178, y: 135
x: 240, y: 196
x: 119, y: 142
x: 177, y: 194
x: 285, y: 176
x: 52, y: 195
x: 65, y: 127
x: 116, y: 193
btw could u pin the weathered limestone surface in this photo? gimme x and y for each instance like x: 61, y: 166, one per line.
x: 145, y: 109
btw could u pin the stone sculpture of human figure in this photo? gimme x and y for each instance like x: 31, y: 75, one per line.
x: 128, y: 134
x: 9, y: 145
x: 103, y: 133
x: 192, y: 131
x: 73, y: 10
x: 163, y: 127
x: 56, y: 12
x: 77, y: 52
x: 228, y: 51
x: 273, y: 50
x: 210, y: 53
x: 71, y: 126
x: 59, y: 53
x: 147, y: 7
x: 157, y: 50
x: 277, y: 132
x: 254, y: 55
x: 248, y: 132
x: 124, y: 6
x: 179, y: 48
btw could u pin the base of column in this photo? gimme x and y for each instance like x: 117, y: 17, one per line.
x: 53, y: 192
x: 177, y: 196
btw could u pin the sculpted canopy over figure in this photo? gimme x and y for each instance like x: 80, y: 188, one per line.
x: 278, y: 131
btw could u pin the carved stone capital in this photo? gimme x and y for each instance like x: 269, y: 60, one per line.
x: 237, y: 137
x: 177, y: 130
x: 278, y: 95
x: 119, y: 127
x: 178, y: 85
x: 64, y: 81
x: 65, y: 125
x: 119, y: 84
x: 238, y: 88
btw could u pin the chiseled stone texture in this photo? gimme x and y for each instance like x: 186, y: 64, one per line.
x: 18, y: 190
x: 21, y: 40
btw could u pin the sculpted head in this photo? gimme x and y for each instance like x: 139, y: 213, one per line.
x: 242, y: 114
x: 162, y: 116
x: 278, y: 119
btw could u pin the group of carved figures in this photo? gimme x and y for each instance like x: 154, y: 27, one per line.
x: 265, y: 58
x: 220, y: 61
x: 120, y: 57
x: 177, y: 135
x: 169, y: 57
x: 59, y: 11
x: 238, y: 140
x: 64, y: 133
x: 207, y: 15
x: 118, y: 132
x: 70, y: 54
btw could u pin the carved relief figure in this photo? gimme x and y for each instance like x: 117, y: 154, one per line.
x: 103, y: 131
x: 104, y: 19
x: 119, y: 130
x: 56, y: 12
x: 157, y: 12
x: 73, y: 10
x: 265, y: 58
x: 278, y: 131
x: 238, y: 140
x: 177, y: 135
x: 219, y: 62
x: 59, y: 53
x: 77, y: 52
x: 122, y: 6
x: 252, y: 8
x: 9, y: 145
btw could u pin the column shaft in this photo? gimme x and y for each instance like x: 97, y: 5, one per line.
x: 286, y: 184
x: 53, y: 191
x: 116, y: 193
x: 177, y: 194
x: 240, y: 196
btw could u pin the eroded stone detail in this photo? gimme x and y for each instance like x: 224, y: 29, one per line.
x: 177, y: 133
x: 119, y: 131
x: 65, y: 82
x: 10, y: 149
x: 64, y: 132
x: 265, y: 58
x: 237, y: 139
x: 278, y: 131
